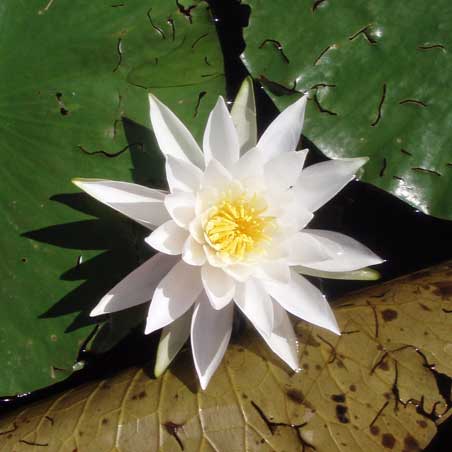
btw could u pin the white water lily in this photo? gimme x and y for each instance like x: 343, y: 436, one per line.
x: 232, y: 231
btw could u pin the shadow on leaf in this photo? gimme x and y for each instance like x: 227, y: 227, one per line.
x: 120, y: 239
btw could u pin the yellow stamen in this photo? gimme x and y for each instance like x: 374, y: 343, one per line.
x: 237, y: 227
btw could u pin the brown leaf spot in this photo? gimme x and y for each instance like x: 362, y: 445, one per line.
x: 389, y: 315
x: 383, y: 365
x: 424, y: 307
x: 339, y: 398
x: 374, y: 430
x: 388, y: 440
x: 352, y: 388
x: 141, y: 395
x: 410, y: 444
x: 340, y: 363
x: 295, y: 395
x: 172, y: 428
x: 341, y: 414
x: 104, y: 421
x: 305, y: 336
x: 443, y: 289
x: 422, y: 424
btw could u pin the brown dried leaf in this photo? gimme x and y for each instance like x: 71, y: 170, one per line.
x: 374, y: 388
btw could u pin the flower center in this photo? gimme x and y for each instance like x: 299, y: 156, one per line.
x: 236, y: 226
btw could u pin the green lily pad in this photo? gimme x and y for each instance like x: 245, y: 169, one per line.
x: 71, y: 105
x: 378, y: 77
x: 373, y: 388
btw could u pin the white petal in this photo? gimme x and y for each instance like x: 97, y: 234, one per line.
x: 296, y: 216
x: 283, y: 134
x: 182, y: 175
x: 320, y: 182
x: 220, y: 137
x: 284, y: 169
x: 196, y: 230
x: 193, y: 253
x: 348, y: 254
x: 303, y: 300
x: 243, y: 115
x: 172, y: 339
x: 168, y: 238
x: 142, y: 204
x: 210, y: 334
x: 212, y: 257
x: 363, y: 274
x: 240, y: 272
x: 137, y: 287
x: 175, y: 293
x: 250, y: 165
x: 276, y: 270
x: 255, y: 303
x: 181, y: 207
x: 219, y: 286
x: 173, y: 138
x: 282, y: 340
x: 305, y: 248
x: 215, y: 175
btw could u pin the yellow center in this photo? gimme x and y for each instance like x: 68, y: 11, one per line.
x: 236, y: 226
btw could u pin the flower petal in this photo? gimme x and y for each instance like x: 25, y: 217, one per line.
x: 243, y: 115
x: 220, y: 137
x: 175, y: 293
x: 296, y: 217
x: 249, y: 166
x: 305, y: 248
x: 256, y: 304
x: 215, y: 175
x: 320, y: 182
x: 303, y: 300
x: 240, y: 272
x: 137, y: 287
x: 181, y: 207
x: 275, y: 270
x: 212, y: 257
x: 219, y: 286
x: 284, y: 169
x: 182, y: 175
x: 283, y: 134
x: 347, y: 253
x: 193, y: 253
x: 282, y: 339
x: 168, y: 238
x: 210, y: 334
x: 196, y: 230
x: 172, y: 339
x: 363, y: 274
x: 142, y: 204
x: 173, y: 138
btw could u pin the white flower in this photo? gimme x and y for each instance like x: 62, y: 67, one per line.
x: 232, y: 229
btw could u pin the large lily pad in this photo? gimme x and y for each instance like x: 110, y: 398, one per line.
x: 378, y: 75
x: 72, y: 72
x: 371, y: 389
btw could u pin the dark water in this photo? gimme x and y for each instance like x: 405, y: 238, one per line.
x: 407, y: 239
